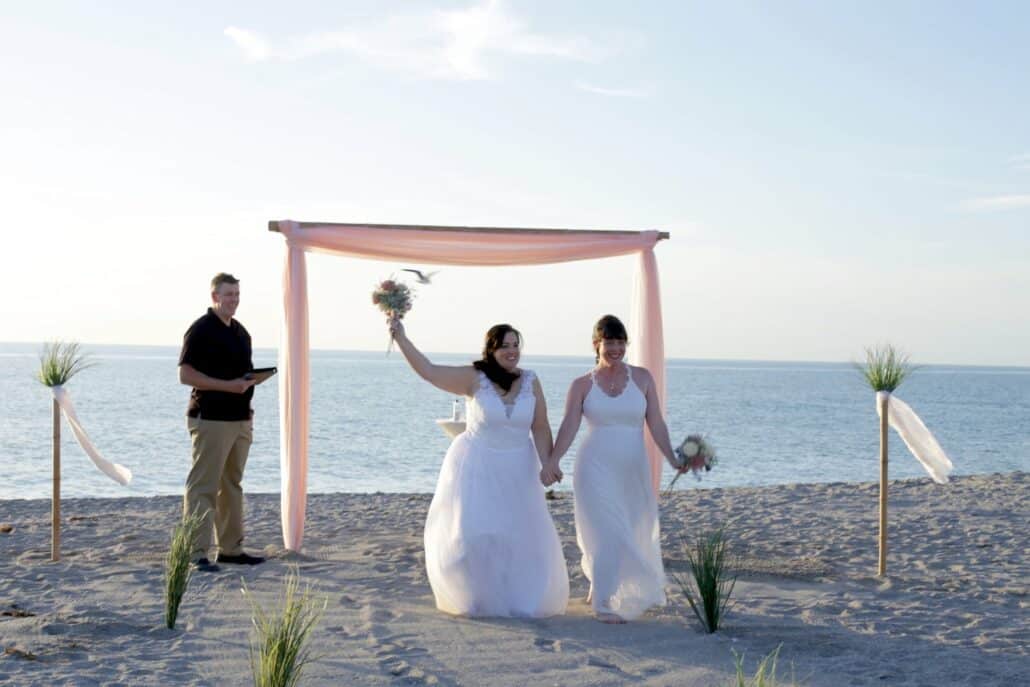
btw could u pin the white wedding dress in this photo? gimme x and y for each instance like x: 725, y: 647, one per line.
x: 616, y: 507
x: 491, y: 546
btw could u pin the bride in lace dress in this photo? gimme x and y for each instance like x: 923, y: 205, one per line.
x: 491, y: 546
x: 616, y: 507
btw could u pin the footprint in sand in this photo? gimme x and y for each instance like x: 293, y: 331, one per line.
x: 411, y: 674
x: 378, y: 615
x: 544, y: 644
x: 346, y: 631
x: 598, y: 662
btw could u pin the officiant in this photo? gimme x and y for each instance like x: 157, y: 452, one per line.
x: 216, y: 362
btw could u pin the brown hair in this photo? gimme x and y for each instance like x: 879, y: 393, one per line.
x: 222, y: 278
x: 488, y: 365
x: 608, y: 327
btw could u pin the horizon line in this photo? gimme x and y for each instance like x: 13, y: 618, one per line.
x: 562, y: 355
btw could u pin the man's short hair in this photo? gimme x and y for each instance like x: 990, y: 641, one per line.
x: 222, y: 278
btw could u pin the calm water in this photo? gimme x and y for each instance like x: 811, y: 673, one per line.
x: 372, y: 423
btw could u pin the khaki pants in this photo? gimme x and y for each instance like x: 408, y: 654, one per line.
x: 213, y: 486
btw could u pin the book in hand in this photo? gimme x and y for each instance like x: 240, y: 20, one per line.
x: 261, y: 372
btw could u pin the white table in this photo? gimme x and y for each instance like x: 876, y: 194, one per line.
x: 452, y: 428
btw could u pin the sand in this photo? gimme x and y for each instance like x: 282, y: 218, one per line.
x: 953, y: 609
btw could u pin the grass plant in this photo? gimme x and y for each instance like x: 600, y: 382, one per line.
x: 713, y: 574
x: 277, y: 649
x: 60, y: 361
x: 177, y: 565
x: 765, y: 673
x: 885, y: 368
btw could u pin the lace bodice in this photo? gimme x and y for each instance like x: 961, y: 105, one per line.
x: 500, y: 426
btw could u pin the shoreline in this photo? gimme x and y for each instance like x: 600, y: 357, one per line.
x: 562, y: 492
x: 952, y: 610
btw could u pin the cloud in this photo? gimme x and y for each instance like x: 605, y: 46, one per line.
x: 1021, y: 200
x: 614, y: 92
x: 254, y: 47
x: 442, y: 44
x: 1020, y: 161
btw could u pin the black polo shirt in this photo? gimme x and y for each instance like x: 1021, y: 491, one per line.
x: 223, y: 352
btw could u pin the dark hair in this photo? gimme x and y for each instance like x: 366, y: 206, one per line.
x: 608, y: 327
x: 488, y: 365
x: 222, y: 278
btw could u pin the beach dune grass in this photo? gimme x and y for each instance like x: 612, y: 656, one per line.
x: 177, y: 565
x: 885, y: 367
x: 765, y: 672
x: 59, y: 361
x: 278, y: 651
x: 713, y: 574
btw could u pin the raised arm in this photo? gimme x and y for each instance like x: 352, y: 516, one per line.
x: 451, y: 378
x: 551, y: 471
x: 541, y: 427
x: 653, y: 416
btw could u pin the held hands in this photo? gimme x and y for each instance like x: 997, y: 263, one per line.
x: 550, y: 473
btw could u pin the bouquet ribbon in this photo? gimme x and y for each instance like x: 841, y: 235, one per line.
x: 917, y: 437
x: 120, y: 474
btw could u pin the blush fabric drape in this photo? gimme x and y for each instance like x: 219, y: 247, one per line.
x: 439, y: 246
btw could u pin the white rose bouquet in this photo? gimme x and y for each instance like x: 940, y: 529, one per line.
x: 696, y: 454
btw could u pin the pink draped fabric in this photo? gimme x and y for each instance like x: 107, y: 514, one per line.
x: 648, y: 349
x: 440, y: 247
x: 294, y: 398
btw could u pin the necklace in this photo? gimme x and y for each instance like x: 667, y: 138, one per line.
x: 612, y: 382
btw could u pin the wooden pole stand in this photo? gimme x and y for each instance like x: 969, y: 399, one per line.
x: 881, y: 566
x: 55, y: 508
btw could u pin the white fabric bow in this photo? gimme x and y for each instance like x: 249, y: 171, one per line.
x: 917, y: 437
x: 120, y: 474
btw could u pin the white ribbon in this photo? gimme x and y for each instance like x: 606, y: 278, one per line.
x: 121, y: 475
x: 917, y: 437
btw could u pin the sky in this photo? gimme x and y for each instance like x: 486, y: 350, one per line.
x: 833, y: 175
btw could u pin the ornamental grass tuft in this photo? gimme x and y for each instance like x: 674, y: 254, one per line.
x: 177, y: 565
x: 765, y: 673
x: 885, y: 368
x: 713, y: 574
x: 59, y: 362
x: 277, y: 651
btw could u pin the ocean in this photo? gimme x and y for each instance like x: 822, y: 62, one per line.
x: 373, y: 421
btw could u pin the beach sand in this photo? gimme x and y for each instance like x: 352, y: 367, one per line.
x: 953, y: 609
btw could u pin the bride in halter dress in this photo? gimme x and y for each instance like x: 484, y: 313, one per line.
x: 616, y: 506
x: 491, y: 545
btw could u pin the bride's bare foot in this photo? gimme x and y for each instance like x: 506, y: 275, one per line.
x: 610, y: 619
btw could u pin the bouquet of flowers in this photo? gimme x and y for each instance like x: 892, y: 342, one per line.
x: 393, y: 298
x: 696, y: 454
